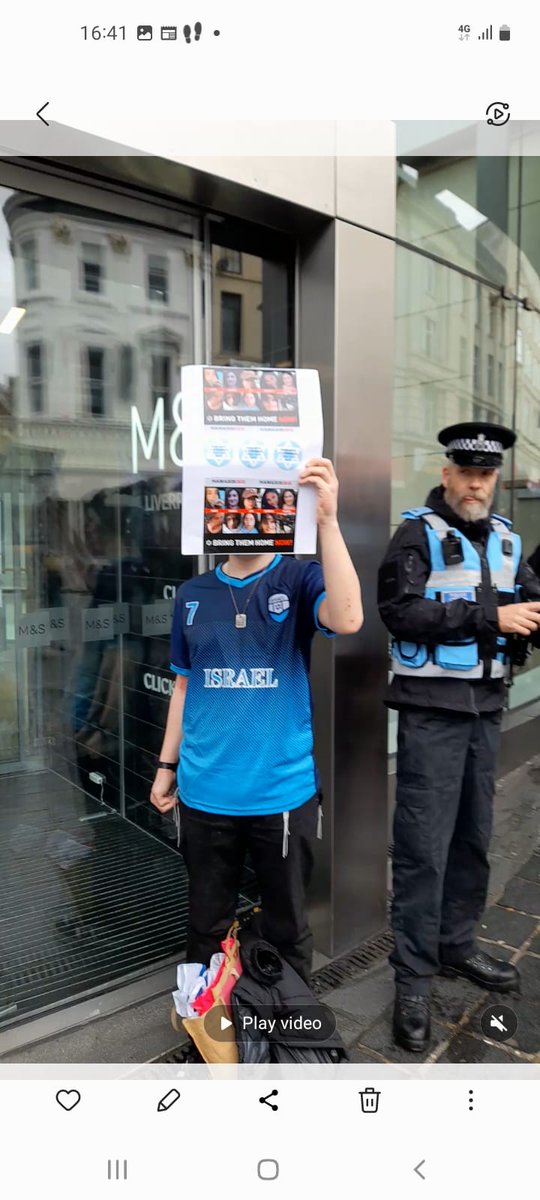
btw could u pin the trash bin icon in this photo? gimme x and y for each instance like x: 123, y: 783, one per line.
x: 370, y: 1100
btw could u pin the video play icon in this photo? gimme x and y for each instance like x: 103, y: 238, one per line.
x: 498, y: 113
x: 219, y: 1026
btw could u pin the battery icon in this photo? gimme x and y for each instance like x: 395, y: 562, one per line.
x: 504, y: 33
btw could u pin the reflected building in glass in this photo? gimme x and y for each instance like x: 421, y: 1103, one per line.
x: 468, y: 330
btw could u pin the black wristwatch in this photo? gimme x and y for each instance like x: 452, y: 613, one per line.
x: 163, y: 766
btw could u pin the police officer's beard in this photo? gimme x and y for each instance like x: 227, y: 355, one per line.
x: 479, y: 511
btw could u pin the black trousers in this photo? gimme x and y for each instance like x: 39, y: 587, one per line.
x: 214, y: 848
x: 442, y: 830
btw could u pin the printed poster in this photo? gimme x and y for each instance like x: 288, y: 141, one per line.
x: 247, y: 433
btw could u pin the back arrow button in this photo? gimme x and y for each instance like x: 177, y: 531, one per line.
x: 39, y: 112
x: 417, y: 1169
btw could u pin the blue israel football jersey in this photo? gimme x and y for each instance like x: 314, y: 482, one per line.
x: 247, y: 744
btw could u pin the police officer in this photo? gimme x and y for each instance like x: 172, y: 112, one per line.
x: 457, y: 597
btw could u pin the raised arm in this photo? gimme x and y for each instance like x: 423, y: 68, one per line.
x: 341, y: 610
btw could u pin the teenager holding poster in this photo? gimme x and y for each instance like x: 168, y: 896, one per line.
x: 240, y: 650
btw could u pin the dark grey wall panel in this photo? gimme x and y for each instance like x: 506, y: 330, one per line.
x: 346, y: 322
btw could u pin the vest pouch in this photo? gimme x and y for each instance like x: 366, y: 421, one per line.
x: 462, y: 657
x: 411, y: 654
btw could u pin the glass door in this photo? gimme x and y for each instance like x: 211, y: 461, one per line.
x: 99, y: 310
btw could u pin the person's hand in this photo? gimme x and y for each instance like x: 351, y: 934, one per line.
x: 523, y: 619
x: 160, y: 796
x: 320, y: 472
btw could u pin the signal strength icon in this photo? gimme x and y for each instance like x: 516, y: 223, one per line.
x: 487, y: 36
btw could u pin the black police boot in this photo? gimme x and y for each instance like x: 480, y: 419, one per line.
x: 493, y: 974
x: 412, y: 1023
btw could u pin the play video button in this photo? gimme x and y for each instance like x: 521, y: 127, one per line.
x: 219, y: 1026
x: 498, y: 113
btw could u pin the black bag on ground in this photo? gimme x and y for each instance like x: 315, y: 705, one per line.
x: 269, y: 990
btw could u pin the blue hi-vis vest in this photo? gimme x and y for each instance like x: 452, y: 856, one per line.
x: 460, y: 659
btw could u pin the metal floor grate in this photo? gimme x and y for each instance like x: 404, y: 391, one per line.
x: 70, y: 925
x: 367, y: 955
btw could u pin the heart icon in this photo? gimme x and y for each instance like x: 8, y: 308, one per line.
x: 68, y: 1100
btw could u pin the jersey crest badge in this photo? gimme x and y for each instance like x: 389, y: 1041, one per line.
x: 279, y: 606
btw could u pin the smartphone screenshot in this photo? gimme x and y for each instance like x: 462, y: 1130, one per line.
x: 269, y: 600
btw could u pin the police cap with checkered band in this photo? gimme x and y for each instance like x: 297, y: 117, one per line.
x: 476, y: 443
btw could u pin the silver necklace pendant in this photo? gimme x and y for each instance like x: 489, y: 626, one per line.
x: 240, y: 620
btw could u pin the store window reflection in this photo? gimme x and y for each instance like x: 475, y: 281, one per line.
x: 252, y: 306
x: 96, y: 319
x: 468, y: 333
x: 460, y: 210
x: 447, y: 367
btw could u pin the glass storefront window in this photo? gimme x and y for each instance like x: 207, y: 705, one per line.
x: 98, y: 313
x: 465, y: 350
x: 454, y: 361
x: 461, y: 211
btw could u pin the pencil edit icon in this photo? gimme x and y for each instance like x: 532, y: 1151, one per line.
x: 167, y: 1101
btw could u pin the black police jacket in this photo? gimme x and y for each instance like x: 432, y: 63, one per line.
x: 534, y: 561
x: 408, y: 615
x: 270, y: 991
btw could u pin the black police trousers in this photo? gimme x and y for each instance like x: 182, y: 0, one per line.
x: 214, y: 848
x: 442, y: 829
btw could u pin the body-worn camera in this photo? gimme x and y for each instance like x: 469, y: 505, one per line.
x: 452, y: 550
x: 518, y: 649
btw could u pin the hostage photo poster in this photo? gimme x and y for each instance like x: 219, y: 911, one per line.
x: 247, y: 433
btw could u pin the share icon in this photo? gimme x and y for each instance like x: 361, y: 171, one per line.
x: 266, y: 1100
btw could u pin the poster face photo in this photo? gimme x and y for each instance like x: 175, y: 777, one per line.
x: 236, y: 396
x: 241, y: 490
x: 248, y: 518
